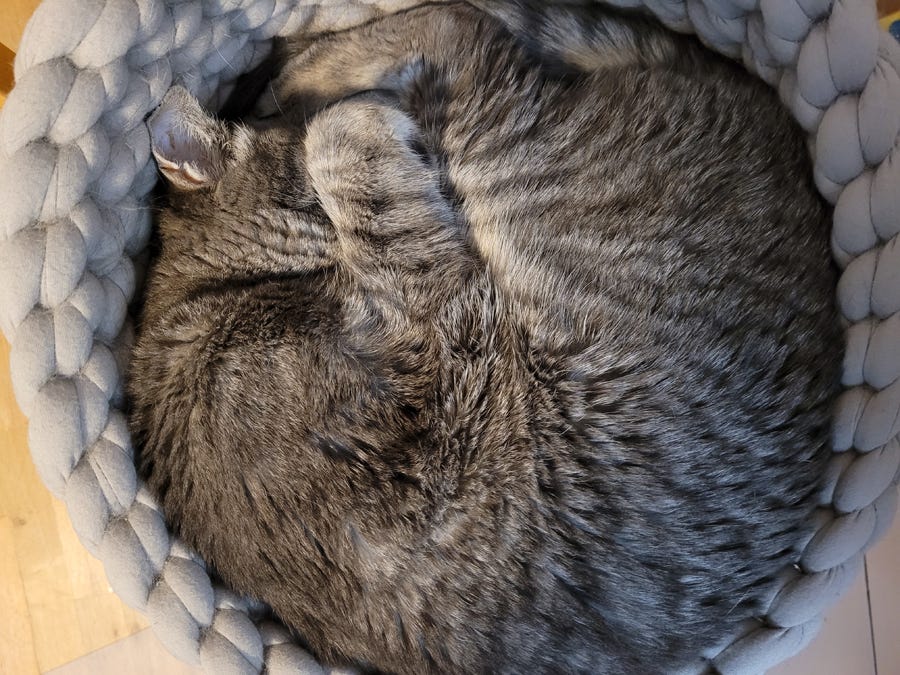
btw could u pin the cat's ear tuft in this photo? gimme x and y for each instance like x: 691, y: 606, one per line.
x: 188, y: 143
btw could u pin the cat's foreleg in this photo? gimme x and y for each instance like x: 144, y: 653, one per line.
x: 381, y: 192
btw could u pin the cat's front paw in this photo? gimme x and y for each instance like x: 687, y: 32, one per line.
x: 363, y: 149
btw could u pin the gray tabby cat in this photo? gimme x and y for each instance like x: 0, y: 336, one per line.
x: 503, y: 345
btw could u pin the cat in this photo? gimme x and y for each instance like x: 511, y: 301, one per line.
x: 477, y: 349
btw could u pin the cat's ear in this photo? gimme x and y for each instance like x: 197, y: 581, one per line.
x: 188, y: 143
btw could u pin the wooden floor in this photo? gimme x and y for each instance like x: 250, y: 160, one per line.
x: 58, y: 614
x: 56, y: 603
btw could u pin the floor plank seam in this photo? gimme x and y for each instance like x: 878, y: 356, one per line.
x: 871, y: 619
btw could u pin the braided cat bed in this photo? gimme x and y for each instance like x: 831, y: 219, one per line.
x: 75, y: 170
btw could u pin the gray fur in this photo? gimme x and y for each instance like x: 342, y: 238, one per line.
x: 479, y: 355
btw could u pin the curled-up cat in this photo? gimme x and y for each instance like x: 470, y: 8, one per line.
x: 483, y: 355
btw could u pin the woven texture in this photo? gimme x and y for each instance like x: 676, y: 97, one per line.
x: 75, y: 170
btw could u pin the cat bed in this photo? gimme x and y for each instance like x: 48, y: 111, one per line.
x: 75, y: 172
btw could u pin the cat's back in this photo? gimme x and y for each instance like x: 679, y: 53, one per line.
x: 654, y: 228
x: 666, y: 173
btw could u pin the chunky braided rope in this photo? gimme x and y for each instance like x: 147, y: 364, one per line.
x: 75, y: 170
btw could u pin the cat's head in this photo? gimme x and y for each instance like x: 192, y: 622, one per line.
x: 195, y: 151
x: 231, y: 178
x: 190, y: 146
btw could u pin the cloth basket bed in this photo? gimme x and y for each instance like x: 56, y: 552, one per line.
x: 75, y: 171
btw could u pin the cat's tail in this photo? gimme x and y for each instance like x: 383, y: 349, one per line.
x: 585, y: 34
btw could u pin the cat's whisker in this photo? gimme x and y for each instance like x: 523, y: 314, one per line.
x: 275, y: 98
x: 738, y: 603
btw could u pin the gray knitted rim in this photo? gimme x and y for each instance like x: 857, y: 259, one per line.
x: 75, y: 170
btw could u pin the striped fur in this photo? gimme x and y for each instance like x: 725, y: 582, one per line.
x: 478, y: 351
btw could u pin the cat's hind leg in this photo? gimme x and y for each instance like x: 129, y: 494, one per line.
x: 584, y: 36
x: 319, y: 71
